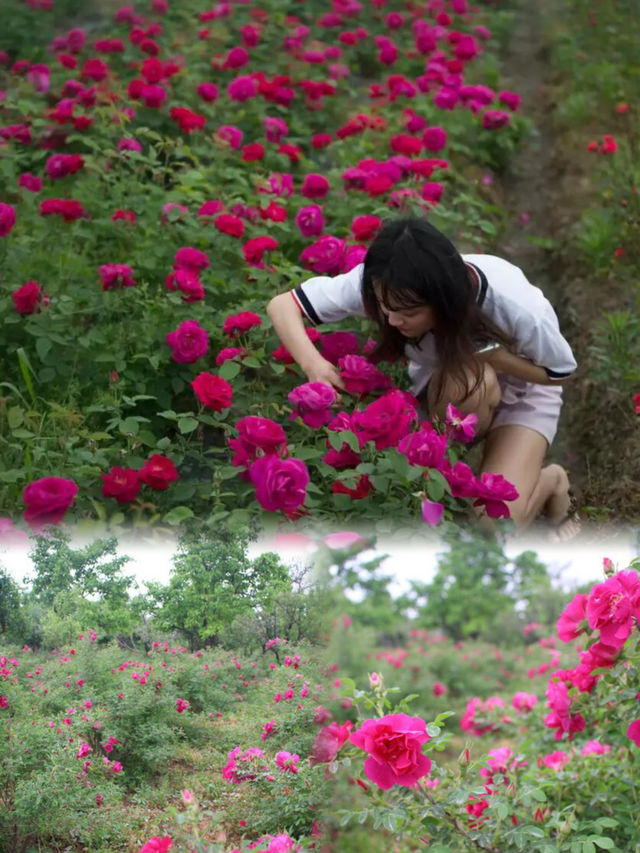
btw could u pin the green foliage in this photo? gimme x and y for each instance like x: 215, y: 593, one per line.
x: 214, y: 581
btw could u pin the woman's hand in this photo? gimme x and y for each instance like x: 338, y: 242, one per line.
x: 321, y: 370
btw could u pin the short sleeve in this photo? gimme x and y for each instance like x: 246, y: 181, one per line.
x: 540, y: 340
x: 327, y: 299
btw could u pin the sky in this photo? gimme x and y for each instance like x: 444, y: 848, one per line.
x: 569, y: 564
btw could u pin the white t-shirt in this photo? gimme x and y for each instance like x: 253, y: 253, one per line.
x: 514, y: 304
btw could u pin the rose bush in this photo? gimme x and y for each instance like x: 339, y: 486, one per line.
x: 125, y: 280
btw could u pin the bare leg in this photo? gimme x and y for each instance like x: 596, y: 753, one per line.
x: 518, y: 452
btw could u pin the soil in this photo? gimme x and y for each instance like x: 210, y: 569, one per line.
x: 545, y: 190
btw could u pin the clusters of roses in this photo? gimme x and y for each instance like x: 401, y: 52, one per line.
x: 613, y: 609
x: 390, y: 421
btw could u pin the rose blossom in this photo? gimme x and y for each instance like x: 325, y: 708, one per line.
x: 360, y: 376
x: 158, y: 472
x: 156, y: 845
x: 386, y: 420
x: 7, y: 218
x: 426, y: 447
x: 610, y: 607
x: 328, y: 742
x: 326, y: 255
x: 394, y: 743
x: 47, y: 500
x: 29, y: 298
x: 239, y: 323
x: 310, y: 220
x: 335, y: 345
x: 313, y: 401
x: 188, y: 342
x: 123, y: 484
x: 213, y: 391
x: 569, y: 621
x: 280, y: 483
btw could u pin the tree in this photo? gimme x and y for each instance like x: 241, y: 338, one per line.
x: 90, y: 577
x: 11, y: 615
x: 214, y: 581
x: 475, y: 583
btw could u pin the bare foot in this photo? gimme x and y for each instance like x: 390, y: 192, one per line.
x: 560, y: 509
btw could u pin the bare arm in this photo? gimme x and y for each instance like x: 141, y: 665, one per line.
x: 289, y: 325
x: 504, y: 361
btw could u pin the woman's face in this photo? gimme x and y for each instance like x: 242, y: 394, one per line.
x: 411, y: 321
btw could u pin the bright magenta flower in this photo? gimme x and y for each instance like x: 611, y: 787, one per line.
x: 7, y: 218
x: 281, y: 484
x: 610, y: 607
x: 116, y: 276
x: 394, y: 744
x: 633, y: 732
x: 328, y: 742
x: 156, y: 845
x: 47, y: 500
x: 312, y: 401
x: 188, y: 342
x: 568, y: 624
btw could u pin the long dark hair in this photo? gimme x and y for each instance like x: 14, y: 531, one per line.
x: 412, y: 264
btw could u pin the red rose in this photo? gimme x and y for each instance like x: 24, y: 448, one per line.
x: 158, y: 472
x: 213, y: 391
x: 123, y: 484
x: 47, y: 500
x: 315, y: 186
x: 241, y: 322
x: 226, y: 223
x: 362, y: 489
x: 365, y: 227
x: 29, y: 298
x: 7, y: 218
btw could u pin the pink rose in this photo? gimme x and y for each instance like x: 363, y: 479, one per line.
x: 47, y: 500
x: 426, y: 447
x: 7, y: 218
x: 328, y: 742
x: 191, y: 259
x: 156, y: 845
x: 386, y: 420
x: 335, y: 345
x: 353, y: 256
x: 569, y: 621
x: 313, y: 401
x: 188, y: 342
x: 326, y: 255
x: 633, y: 732
x: 315, y: 186
x: 610, y: 610
x: 360, y: 376
x: 280, y: 484
x: 394, y: 744
x: 492, y: 490
x: 310, y: 220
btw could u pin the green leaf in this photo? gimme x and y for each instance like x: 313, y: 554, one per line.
x: 27, y: 372
x: 178, y: 514
x: 229, y: 369
x: 186, y: 425
x: 538, y: 795
x: 602, y: 841
x: 43, y: 347
x: 15, y: 417
x: 129, y: 426
x: 251, y: 361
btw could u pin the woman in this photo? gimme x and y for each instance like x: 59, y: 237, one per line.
x: 476, y: 334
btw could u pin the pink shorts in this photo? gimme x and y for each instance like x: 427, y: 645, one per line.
x: 528, y: 404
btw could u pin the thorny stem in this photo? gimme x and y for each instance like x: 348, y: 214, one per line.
x: 457, y: 823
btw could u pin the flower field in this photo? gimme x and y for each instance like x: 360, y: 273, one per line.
x: 167, y: 175
x: 402, y: 732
